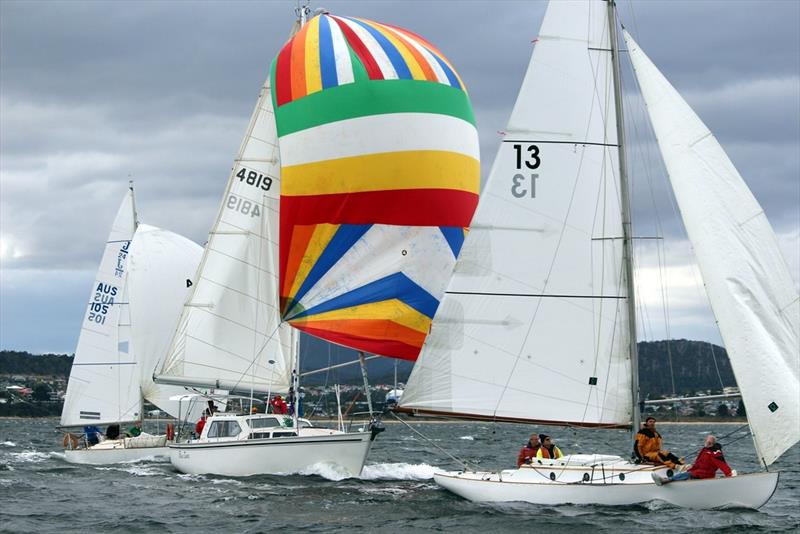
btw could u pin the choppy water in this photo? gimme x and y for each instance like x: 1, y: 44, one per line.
x: 41, y: 492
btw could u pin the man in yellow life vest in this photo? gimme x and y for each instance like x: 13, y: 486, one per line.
x: 647, y: 447
x: 548, y: 448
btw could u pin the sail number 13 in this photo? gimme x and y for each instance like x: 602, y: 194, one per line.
x: 522, y: 185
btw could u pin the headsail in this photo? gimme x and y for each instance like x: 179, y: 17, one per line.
x: 103, y: 384
x: 380, y: 177
x: 534, y: 323
x: 159, y: 266
x: 230, y: 329
x: 746, y: 278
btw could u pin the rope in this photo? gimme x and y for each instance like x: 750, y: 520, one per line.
x: 426, y: 438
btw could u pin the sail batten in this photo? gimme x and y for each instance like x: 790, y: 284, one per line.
x: 747, y: 280
x: 533, y: 327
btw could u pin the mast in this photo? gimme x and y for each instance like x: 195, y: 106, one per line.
x: 627, y: 243
x: 362, y: 360
x: 133, y: 205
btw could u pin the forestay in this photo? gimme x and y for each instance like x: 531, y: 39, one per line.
x: 103, y: 384
x: 534, y: 324
x: 159, y: 267
x: 230, y: 327
x: 380, y: 177
x: 746, y: 278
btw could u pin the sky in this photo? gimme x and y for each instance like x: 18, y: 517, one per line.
x: 93, y: 94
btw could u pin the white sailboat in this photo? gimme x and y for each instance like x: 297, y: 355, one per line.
x: 538, y: 324
x: 369, y: 189
x: 142, y: 280
x: 230, y: 335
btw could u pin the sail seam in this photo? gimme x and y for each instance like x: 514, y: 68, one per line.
x: 548, y: 295
x: 586, y: 143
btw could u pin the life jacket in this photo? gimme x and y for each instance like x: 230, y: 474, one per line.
x: 647, y: 442
x: 554, y: 452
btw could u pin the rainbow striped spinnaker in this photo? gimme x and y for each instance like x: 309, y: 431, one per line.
x: 380, y: 175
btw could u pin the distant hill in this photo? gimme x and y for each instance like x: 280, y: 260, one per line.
x: 696, y: 366
x: 25, y: 363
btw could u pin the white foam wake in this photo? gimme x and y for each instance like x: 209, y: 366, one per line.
x: 330, y: 471
x: 8, y: 444
x: 398, y: 471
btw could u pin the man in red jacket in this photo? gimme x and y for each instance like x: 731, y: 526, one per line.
x: 705, y: 466
x: 528, y: 452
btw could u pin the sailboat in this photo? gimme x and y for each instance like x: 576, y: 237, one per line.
x: 343, y: 215
x: 135, y: 302
x: 538, y: 323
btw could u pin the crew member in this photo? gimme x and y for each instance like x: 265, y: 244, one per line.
x: 279, y: 405
x: 198, y: 428
x: 548, y: 448
x: 647, y: 447
x: 708, y: 461
x: 528, y: 452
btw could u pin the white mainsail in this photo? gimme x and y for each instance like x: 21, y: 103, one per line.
x: 103, y: 385
x: 534, y: 323
x: 746, y: 277
x: 159, y: 266
x: 230, y: 329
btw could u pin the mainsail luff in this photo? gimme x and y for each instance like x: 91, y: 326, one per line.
x: 519, y: 337
x: 747, y: 280
x: 230, y: 328
x: 627, y: 223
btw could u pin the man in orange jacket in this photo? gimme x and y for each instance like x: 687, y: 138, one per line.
x: 647, y: 447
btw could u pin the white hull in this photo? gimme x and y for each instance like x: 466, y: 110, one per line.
x: 115, y: 451
x: 534, y: 485
x: 272, y: 456
x: 119, y: 455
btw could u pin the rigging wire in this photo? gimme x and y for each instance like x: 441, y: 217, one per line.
x: 462, y: 463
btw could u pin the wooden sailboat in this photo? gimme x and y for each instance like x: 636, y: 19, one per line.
x: 343, y: 216
x: 538, y: 323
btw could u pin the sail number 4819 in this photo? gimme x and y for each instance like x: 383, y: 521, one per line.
x: 254, y: 178
x: 243, y: 206
x: 522, y: 185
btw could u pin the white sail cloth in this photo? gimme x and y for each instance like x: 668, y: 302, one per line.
x: 159, y: 266
x: 103, y: 383
x: 534, y: 323
x: 746, y: 278
x: 229, y: 335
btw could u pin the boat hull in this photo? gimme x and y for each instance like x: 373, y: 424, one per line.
x: 744, y: 491
x: 115, y: 456
x: 115, y: 451
x: 272, y: 456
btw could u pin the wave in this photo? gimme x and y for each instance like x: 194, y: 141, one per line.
x: 398, y: 471
x: 327, y: 470
x: 30, y: 456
